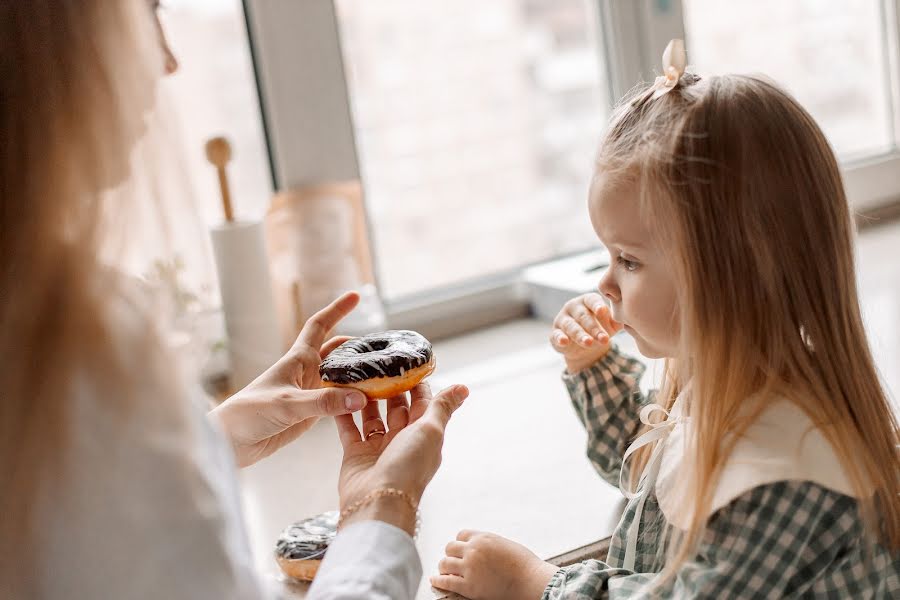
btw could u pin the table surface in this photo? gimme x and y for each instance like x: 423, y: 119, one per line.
x: 514, y: 460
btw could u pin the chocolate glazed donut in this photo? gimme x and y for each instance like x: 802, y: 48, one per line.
x: 380, y: 365
x: 301, y: 547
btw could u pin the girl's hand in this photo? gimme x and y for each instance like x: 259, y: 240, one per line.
x: 404, y: 455
x: 484, y: 566
x: 288, y: 399
x: 582, y: 331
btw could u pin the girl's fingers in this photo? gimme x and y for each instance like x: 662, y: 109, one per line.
x: 450, y: 583
x: 455, y: 549
x: 466, y: 534
x: 595, y: 303
x: 450, y: 565
x: 605, y: 318
x: 559, y: 340
x: 587, y: 321
x: 575, y: 332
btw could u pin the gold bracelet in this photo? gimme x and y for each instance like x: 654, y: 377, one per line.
x: 376, y: 495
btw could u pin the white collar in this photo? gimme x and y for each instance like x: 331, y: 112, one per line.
x: 782, y: 444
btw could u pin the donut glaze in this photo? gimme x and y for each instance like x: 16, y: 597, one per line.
x: 301, y: 546
x: 380, y: 364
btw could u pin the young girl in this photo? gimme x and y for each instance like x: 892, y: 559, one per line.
x: 768, y: 463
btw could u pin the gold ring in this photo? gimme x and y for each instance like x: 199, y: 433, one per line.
x: 376, y: 432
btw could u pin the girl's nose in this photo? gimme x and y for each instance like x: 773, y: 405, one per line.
x: 607, y: 287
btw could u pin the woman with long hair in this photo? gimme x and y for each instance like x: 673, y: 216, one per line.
x: 114, y: 480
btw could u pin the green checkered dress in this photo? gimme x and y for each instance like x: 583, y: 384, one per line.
x: 790, y: 539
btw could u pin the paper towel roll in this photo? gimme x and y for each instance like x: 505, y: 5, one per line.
x: 248, y: 302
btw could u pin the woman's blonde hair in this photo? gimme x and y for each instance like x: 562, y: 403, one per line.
x: 741, y: 186
x: 77, y: 81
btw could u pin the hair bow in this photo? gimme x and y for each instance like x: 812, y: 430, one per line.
x: 674, y: 60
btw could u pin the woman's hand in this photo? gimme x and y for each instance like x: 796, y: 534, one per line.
x: 287, y: 399
x: 404, y: 455
x: 484, y: 566
x: 582, y: 331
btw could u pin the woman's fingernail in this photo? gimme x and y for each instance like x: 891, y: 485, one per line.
x: 354, y: 401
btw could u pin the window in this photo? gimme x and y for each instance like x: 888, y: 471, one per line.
x: 476, y: 124
x: 473, y: 125
x: 831, y: 54
x: 214, y: 93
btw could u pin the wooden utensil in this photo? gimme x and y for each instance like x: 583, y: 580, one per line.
x: 218, y: 152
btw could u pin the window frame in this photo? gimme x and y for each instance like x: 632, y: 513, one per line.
x: 310, y: 131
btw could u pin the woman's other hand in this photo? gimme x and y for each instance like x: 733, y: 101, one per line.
x: 402, y: 454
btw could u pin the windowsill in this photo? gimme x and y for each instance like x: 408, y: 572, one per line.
x: 516, y: 442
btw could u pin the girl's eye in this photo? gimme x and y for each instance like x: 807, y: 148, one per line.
x: 628, y: 265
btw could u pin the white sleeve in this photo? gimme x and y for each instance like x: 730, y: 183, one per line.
x: 146, y: 502
x: 218, y: 473
x: 147, y: 506
x: 370, y: 560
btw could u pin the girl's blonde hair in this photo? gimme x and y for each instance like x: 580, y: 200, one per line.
x: 77, y: 82
x: 739, y: 182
